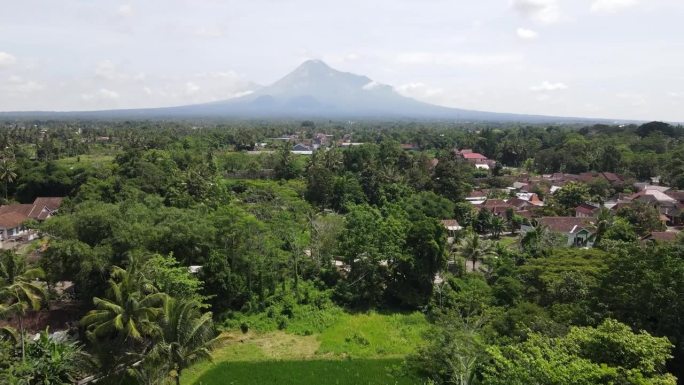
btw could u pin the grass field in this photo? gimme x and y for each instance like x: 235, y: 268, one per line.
x: 315, y: 372
x: 84, y: 161
x: 358, y: 349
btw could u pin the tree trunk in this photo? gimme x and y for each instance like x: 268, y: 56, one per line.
x: 21, y: 338
x: 178, y: 374
x: 474, y: 260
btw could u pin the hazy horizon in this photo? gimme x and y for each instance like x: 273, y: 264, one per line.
x: 616, y: 59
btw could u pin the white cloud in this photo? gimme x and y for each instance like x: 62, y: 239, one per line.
x: 419, y: 90
x: 371, y: 85
x: 6, y: 60
x: 17, y: 85
x: 125, y: 10
x: 209, y: 32
x: 470, y: 60
x: 612, y: 5
x: 101, y: 94
x: 545, y: 11
x: 527, y: 34
x: 548, y: 86
x: 632, y: 98
x: 191, y: 88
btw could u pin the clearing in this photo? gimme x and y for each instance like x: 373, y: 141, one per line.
x: 358, y: 349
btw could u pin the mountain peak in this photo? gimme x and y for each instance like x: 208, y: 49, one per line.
x: 314, y: 63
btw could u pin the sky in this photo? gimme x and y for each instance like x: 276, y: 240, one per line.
x: 621, y: 59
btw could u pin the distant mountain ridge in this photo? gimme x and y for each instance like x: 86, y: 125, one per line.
x: 315, y: 90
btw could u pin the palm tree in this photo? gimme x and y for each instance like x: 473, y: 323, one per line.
x: 19, y: 290
x: 130, y: 310
x: 474, y: 249
x: 8, y: 172
x: 602, y: 222
x: 188, y: 335
x: 497, y: 226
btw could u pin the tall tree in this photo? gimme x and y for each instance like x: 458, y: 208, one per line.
x: 187, y: 335
x: 19, y: 290
x: 474, y: 249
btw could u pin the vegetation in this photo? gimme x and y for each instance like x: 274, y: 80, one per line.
x: 187, y: 241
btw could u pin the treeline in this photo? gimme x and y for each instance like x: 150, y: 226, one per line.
x: 153, y: 232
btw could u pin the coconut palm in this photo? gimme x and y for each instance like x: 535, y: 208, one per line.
x: 497, y: 226
x: 188, y: 335
x: 603, y: 221
x: 474, y: 249
x: 8, y: 172
x: 130, y: 310
x: 20, y: 290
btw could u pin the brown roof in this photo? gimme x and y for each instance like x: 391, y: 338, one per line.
x: 52, y: 203
x: 24, y: 209
x: 450, y: 223
x: 478, y: 193
x: 517, y: 202
x: 565, y: 224
x: 11, y: 220
x: 14, y: 215
x: 662, y: 236
x: 612, y: 177
x: 676, y: 194
x: 491, y: 203
x: 586, y: 209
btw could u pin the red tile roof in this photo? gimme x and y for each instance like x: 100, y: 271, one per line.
x: 473, y: 155
x: 12, y: 216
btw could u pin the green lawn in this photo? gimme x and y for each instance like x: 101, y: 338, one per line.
x: 373, y: 335
x: 83, y: 161
x: 348, y: 372
x: 357, y: 349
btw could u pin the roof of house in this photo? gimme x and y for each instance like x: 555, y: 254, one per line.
x: 662, y: 236
x: 451, y: 224
x: 586, y: 208
x: 490, y: 203
x: 478, y: 194
x: 676, y: 194
x: 12, y: 216
x: 301, y: 147
x: 11, y: 220
x: 611, y: 177
x: 473, y: 155
x: 565, y: 224
x: 656, y: 194
x: 517, y: 202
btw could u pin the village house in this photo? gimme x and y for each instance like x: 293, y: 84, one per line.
x: 585, y: 210
x: 579, y: 231
x: 669, y: 208
x: 661, y: 237
x: 301, y: 149
x: 477, y: 159
x: 13, y: 217
x: 452, y: 227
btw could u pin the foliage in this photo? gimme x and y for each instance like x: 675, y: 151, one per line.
x: 608, y: 354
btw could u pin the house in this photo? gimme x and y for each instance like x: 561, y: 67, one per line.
x: 477, y: 197
x: 669, y: 208
x: 498, y: 207
x: 13, y: 217
x: 579, y: 231
x: 585, y: 210
x: 452, y: 226
x: 302, y: 149
x: 531, y: 198
x: 661, y: 237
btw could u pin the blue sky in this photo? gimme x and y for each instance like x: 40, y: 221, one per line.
x: 593, y: 58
